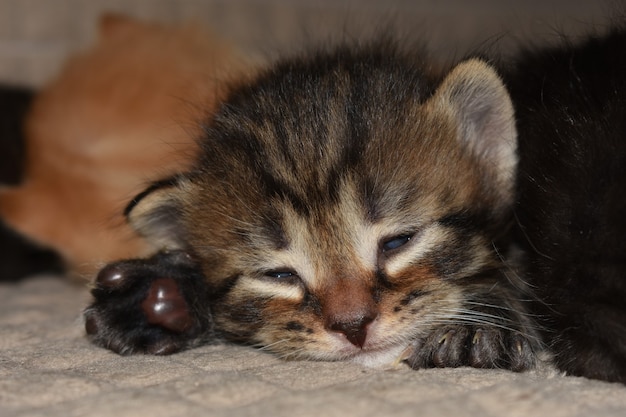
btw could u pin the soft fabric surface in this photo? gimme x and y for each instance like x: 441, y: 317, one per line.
x: 48, y: 368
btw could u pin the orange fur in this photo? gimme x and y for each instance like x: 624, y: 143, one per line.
x: 118, y: 116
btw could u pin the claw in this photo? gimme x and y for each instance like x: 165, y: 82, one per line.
x: 477, y: 336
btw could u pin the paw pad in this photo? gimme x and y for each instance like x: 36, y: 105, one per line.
x: 111, y: 277
x: 165, y: 306
x: 156, y: 305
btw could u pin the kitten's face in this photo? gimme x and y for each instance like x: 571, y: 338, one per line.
x: 340, y: 205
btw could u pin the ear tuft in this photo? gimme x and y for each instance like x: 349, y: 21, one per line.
x: 482, y: 109
x: 155, y: 214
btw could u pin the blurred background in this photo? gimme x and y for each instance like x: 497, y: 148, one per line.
x: 37, y: 35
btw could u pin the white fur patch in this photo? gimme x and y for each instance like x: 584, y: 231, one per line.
x: 270, y: 289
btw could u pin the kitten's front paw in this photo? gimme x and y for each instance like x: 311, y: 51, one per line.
x: 476, y: 346
x: 156, y: 305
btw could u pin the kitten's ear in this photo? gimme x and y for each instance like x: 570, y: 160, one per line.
x: 155, y: 214
x: 480, y: 105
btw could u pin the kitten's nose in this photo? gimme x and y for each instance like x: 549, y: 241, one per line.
x: 354, y: 330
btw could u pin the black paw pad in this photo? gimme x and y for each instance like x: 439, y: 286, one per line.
x: 111, y: 277
x: 157, y: 305
x: 166, y: 307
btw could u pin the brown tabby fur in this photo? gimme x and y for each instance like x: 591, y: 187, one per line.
x: 300, y: 186
x: 118, y: 116
x: 347, y: 205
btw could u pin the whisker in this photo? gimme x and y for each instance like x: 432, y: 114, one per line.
x: 260, y: 346
x: 463, y: 320
x: 477, y: 313
x: 292, y: 354
x: 463, y: 317
x: 503, y: 308
x: 532, y: 245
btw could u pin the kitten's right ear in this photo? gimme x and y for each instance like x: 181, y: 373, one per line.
x: 477, y: 100
x: 156, y: 215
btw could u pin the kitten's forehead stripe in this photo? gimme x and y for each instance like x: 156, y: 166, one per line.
x: 276, y: 187
x: 303, y: 130
x: 273, y: 226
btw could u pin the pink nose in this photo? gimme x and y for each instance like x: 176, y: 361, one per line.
x: 354, y: 330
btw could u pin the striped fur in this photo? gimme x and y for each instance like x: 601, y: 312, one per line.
x: 346, y: 206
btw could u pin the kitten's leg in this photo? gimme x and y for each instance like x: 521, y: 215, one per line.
x: 482, y: 336
x: 476, y: 346
x: 156, y: 305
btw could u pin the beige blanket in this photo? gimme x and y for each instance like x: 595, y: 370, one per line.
x: 48, y: 368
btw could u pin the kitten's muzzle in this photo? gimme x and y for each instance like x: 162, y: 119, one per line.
x: 348, y: 308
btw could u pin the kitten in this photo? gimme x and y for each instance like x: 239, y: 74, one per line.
x: 352, y: 205
x: 342, y: 208
x: 118, y: 116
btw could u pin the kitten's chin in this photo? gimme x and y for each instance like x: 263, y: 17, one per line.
x: 390, y: 357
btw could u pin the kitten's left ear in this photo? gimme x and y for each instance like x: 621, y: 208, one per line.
x: 155, y: 214
x: 476, y: 98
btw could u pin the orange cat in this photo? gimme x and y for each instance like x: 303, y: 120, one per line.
x: 117, y: 117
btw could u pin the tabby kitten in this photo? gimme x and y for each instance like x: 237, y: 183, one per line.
x: 350, y: 205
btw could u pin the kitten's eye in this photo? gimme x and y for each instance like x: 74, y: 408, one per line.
x: 396, y: 242
x: 282, y: 275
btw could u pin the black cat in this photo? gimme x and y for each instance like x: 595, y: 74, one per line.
x: 570, y: 107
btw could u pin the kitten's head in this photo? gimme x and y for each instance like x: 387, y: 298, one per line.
x: 341, y: 200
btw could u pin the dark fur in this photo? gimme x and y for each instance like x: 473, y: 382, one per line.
x: 568, y: 213
x: 571, y: 211
x: 14, y: 103
x: 19, y: 257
